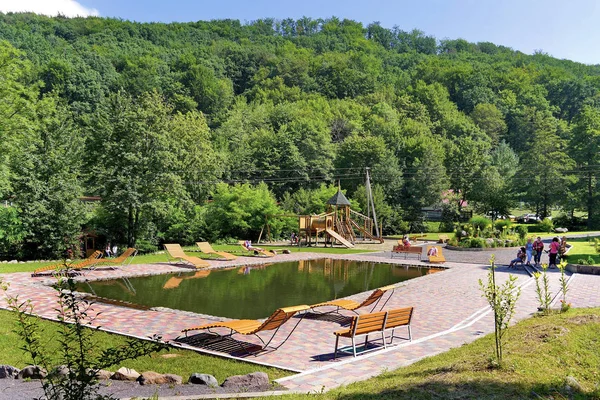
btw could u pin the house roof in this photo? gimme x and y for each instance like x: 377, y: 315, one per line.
x: 338, y: 199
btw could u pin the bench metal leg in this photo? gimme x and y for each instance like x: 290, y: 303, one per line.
x: 337, y: 340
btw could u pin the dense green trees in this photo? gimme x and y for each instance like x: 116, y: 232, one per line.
x: 203, y: 129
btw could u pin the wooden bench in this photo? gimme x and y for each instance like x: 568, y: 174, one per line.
x: 414, y: 238
x: 443, y: 238
x: 375, y: 323
x: 399, y: 249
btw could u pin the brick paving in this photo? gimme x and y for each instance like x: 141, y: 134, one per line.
x: 449, y: 311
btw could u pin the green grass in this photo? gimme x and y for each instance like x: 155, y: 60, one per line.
x: 539, y: 354
x: 180, y: 362
x: 190, y: 250
x: 583, y: 248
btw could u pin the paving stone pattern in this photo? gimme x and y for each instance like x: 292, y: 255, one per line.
x: 449, y: 311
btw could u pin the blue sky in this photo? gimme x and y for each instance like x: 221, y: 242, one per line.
x: 562, y: 28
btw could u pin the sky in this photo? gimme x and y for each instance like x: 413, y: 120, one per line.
x: 567, y: 29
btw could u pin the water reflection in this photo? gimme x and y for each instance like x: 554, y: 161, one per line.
x: 255, y: 291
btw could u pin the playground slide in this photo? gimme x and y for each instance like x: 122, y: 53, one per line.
x: 339, y: 238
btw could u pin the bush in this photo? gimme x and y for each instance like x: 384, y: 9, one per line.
x: 480, y: 222
x: 522, y: 231
x: 502, y: 223
x: 144, y: 246
x: 477, y: 243
x: 546, y: 225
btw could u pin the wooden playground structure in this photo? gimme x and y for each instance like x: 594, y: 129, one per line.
x: 339, y: 224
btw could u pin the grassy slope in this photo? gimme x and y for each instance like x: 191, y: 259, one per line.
x: 539, y: 354
x: 178, y: 362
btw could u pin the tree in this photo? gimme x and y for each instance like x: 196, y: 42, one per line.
x: 133, y: 161
x: 543, y: 175
x: 585, y: 150
x: 240, y: 211
x: 17, y: 109
x: 47, y: 186
x: 490, y: 120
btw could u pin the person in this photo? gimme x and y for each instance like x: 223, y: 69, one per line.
x: 108, y: 250
x: 554, y: 248
x: 405, y: 241
x: 529, y: 250
x: 520, y: 258
x: 433, y: 251
x: 563, y: 248
x: 538, y: 248
x: 294, y: 239
x: 248, y: 245
x: 114, y: 249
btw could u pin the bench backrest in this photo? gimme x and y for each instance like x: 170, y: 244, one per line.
x: 366, y: 323
x: 398, y: 317
x: 175, y: 250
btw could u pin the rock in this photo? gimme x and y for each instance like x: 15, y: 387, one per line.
x: 173, y: 379
x: 154, y: 378
x: 250, y: 382
x: 101, y: 374
x: 32, y: 372
x: 125, y: 374
x: 60, y: 371
x: 203, y: 379
x: 561, y: 230
x: 12, y: 262
x: 571, y: 385
x: 286, y: 251
x: 8, y: 372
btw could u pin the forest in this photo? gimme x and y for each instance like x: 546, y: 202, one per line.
x: 146, y: 133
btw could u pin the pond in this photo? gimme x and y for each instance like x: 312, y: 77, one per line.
x: 254, y: 291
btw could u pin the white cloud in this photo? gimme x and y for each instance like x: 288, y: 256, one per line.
x: 68, y: 8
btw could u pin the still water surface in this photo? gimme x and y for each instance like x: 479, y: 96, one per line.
x: 254, y: 291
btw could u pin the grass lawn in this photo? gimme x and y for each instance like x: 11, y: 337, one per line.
x: 539, y: 354
x: 180, y: 362
x: 582, y: 249
x: 190, y: 250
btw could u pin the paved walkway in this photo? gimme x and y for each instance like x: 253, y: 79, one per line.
x: 449, y: 311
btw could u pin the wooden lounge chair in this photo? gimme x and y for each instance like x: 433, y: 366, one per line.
x: 176, y: 252
x: 115, y: 262
x: 438, y: 258
x: 93, y: 259
x: 206, y: 248
x: 253, y: 327
x: 352, y: 305
x: 257, y: 252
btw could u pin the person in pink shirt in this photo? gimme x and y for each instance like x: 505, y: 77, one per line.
x: 554, y: 248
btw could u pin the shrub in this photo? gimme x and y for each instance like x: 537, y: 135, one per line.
x: 501, y: 223
x: 546, y: 225
x: 480, y: 222
x: 478, y: 243
x: 145, y: 246
x: 522, y: 231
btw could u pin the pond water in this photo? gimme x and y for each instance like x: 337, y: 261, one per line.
x: 254, y: 291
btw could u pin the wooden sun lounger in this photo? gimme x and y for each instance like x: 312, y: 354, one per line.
x: 93, y: 259
x: 352, y: 305
x: 439, y: 258
x: 253, y: 327
x: 259, y: 253
x: 118, y: 261
x: 176, y: 252
x: 205, y: 247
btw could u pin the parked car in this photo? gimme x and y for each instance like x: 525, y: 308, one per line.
x: 529, y: 218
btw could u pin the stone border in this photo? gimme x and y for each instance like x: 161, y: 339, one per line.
x: 583, y: 269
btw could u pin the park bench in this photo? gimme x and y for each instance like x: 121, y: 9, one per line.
x: 414, y: 238
x: 399, y: 249
x: 374, y: 323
